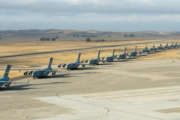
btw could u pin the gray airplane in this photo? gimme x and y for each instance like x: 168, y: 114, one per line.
x: 133, y: 53
x: 167, y: 46
x: 124, y: 55
x: 75, y: 65
x: 174, y: 45
x: 160, y: 47
x: 145, y: 50
x: 97, y: 60
x: 153, y: 49
x: 111, y: 58
x: 5, y: 81
x: 44, y: 72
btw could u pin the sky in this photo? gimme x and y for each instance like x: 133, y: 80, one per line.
x: 104, y: 15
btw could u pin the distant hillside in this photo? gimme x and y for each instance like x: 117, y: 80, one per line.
x: 82, y: 35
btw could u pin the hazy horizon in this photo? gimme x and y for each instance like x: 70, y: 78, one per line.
x: 82, y: 30
x: 100, y: 15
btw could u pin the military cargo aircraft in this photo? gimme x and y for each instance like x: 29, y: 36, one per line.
x: 44, y: 72
x: 111, y: 58
x: 76, y: 64
x: 124, y: 55
x: 40, y: 73
x: 95, y: 61
x: 174, y: 45
x: 146, y: 50
x: 160, y: 47
x: 153, y: 49
x: 167, y: 46
x: 133, y: 53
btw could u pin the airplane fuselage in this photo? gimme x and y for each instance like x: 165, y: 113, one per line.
x: 122, y: 56
x: 73, y: 66
x: 172, y: 46
x: 145, y: 50
x: 166, y: 47
x: 41, y: 73
x: 110, y: 59
x: 153, y: 49
x: 160, y: 48
x: 94, y: 61
x: 4, y: 82
x: 133, y: 54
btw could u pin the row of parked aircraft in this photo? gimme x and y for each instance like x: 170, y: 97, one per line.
x: 5, y: 82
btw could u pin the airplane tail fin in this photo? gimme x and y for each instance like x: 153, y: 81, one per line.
x: 136, y: 49
x: 146, y: 47
x: 6, y: 74
x: 113, y: 53
x: 125, y: 50
x: 79, y: 57
x: 50, y: 63
x: 99, y: 53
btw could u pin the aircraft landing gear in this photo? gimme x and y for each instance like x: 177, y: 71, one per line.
x: 28, y: 73
x: 83, y: 66
x: 7, y: 85
x: 53, y: 73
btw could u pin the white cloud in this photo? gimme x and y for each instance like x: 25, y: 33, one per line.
x: 88, y: 13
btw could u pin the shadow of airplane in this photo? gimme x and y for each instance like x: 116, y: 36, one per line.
x: 86, y: 68
x: 16, y: 87
x: 29, y: 86
x: 108, y: 63
x: 49, y: 83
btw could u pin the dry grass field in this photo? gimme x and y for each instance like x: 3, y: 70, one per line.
x: 62, y: 58
x: 66, y: 58
x: 36, y: 46
x: 10, y: 48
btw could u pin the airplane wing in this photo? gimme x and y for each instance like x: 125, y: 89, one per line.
x: 27, y: 82
x: 3, y: 81
x: 16, y: 83
x: 59, y: 71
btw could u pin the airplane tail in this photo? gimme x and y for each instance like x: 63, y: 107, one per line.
x: 50, y: 63
x: 125, y: 50
x: 79, y: 57
x: 6, y: 74
x: 113, y: 53
x: 136, y: 49
x: 99, y: 53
